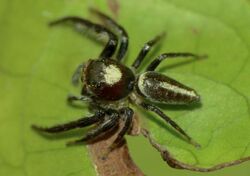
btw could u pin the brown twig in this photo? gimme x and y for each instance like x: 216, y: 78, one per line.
x: 115, y: 163
x: 174, y: 163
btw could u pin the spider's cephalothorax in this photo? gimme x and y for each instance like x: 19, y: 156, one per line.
x: 109, y: 86
x: 107, y: 79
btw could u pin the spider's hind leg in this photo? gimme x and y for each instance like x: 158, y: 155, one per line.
x: 80, y: 23
x: 124, y: 41
x: 156, y: 110
x: 152, y: 66
x: 146, y: 48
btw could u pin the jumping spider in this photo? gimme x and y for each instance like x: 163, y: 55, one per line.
x: 109, y: 86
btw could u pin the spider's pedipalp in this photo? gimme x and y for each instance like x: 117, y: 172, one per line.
x: 77, y: 75
x: 111, y: 45
x: 72, y: 98
x: 109, y: 22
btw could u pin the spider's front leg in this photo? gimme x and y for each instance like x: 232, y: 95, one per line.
x: 80, y: 123
x: 110, y: 123
x: 127, y: 115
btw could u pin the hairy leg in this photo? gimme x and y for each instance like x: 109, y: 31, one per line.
x: 146, y: 48
x: 127, y: 114
x: 111, y: 45
x: 117, y: 29
x: 108, y: 124
x: 152, y: 66
x: 156, y: 110
x: 83, y: 122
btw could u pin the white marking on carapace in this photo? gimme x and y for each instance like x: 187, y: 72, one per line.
x: 112, y: 74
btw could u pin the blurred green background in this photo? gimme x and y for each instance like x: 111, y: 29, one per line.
x: 36, y: 64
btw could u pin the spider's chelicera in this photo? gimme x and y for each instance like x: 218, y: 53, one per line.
x: 109, y: 86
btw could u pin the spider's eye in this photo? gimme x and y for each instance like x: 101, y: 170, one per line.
x: 95, y: 84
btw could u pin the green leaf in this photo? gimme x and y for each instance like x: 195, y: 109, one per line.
x: 217, y: 125
x: 221, y: 124
x: 36, y: 64
x: 35, y: 69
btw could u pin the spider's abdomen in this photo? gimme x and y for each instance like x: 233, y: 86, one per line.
x: 160, y: 88
x: 108, y: 79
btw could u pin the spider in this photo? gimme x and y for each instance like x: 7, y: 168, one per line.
x: 109, y: 86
